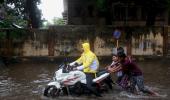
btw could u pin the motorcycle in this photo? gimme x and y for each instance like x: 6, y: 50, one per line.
x: 67, y: 81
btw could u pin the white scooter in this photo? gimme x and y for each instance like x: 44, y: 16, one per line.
x: 65, y: 79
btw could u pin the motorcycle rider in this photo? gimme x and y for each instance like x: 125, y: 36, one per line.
x: 90, y: 65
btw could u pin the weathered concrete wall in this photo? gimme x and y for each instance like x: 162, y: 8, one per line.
x: 148, y: 44
x: 67, y: 40
x: 104, y: 42
x: 36, y: 43
x: 167, y: 40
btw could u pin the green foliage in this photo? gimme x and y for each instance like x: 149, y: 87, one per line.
x: 17, y: 34
x: 24, y: 10
x: 10, y: 19
x: 5, y: 24
x: 55, y: 21
x: 58, y: 21
x: 2, y: 35
x: 1, y: 1
x: 101, y: 5
x: 14, y: 33
x: 46, y: 24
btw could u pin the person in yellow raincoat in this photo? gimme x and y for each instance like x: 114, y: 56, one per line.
x: 89, y: 64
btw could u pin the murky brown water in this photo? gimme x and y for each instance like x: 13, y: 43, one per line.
x: 26, y: 81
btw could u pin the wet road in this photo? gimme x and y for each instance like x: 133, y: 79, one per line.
x: 26, y: 81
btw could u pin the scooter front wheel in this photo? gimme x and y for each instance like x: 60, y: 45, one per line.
x: 51, y: 91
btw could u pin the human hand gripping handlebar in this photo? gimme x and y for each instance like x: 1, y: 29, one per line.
x: 74, y: 66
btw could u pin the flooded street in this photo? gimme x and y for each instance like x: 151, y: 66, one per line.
x: 26, y: 81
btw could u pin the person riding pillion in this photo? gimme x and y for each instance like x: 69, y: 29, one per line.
x: 89, y: 65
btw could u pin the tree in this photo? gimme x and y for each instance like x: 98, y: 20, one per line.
x: 33, y: 13
x: 1, y: 1
x: 25, y: 10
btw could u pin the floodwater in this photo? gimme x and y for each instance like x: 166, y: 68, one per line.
x: 26, y: 81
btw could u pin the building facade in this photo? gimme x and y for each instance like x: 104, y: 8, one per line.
x: 110, y: 12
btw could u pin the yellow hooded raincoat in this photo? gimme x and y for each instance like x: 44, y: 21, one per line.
x: 88, y: 59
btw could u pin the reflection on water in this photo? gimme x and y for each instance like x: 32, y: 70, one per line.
x: 26, y: 81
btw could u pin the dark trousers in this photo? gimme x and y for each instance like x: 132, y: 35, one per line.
x: 89, y: 80
x: 139, y: 81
